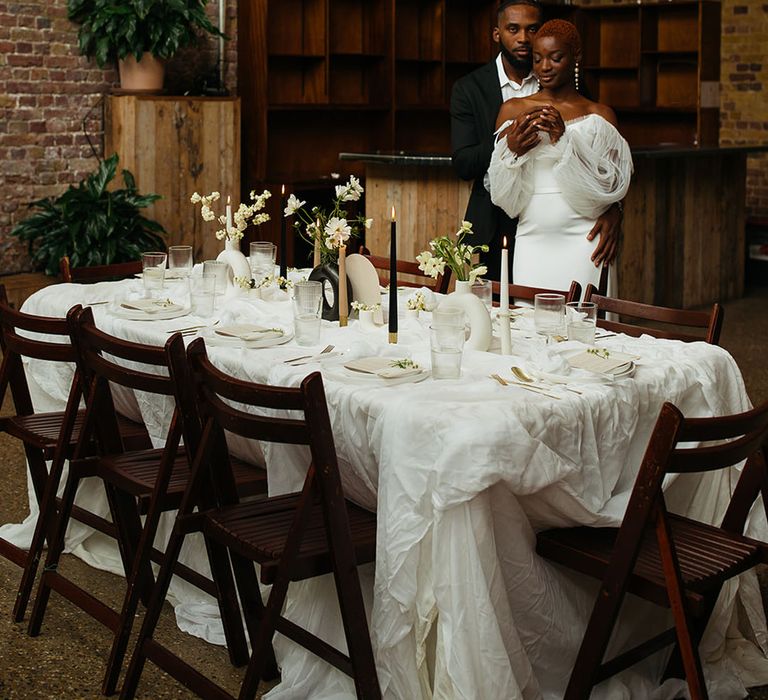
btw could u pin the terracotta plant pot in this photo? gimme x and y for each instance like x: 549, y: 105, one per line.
x: 145, y: 75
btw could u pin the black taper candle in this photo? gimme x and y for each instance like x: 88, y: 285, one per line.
x: 393, y: 280
x: 283, y: 244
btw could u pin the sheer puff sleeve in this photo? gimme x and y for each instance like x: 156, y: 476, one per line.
x: 510, y: 182
x: 595, y: 167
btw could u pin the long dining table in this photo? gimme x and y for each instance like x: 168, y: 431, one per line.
x: 462, y: 473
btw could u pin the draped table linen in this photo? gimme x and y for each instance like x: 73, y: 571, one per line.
x: 461, y: 473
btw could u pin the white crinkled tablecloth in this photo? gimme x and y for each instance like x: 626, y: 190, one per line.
x: 462, y: 473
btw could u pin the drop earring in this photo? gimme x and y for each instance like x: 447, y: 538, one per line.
x: 576, y: 76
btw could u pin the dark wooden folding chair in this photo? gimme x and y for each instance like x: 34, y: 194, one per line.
x: 519, y: 291
x: 46, y: 435
x: 414, y: 278
x: 670, y: 560
x: 292, y: 537
x: 148, y: 481
x: 98, y: 273
x: 711, y: 322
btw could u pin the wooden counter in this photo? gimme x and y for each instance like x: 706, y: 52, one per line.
x: 683, y: 232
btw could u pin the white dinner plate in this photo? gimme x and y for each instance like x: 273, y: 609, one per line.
x: 217, y: 337
x: 173, y: 311
x: 345, y: 375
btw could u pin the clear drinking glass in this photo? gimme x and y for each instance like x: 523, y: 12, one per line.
x: 307, y: 308
x: 581, y: 320
x: 153, y: 271
x: 221, y: 270
x: 262, y: 259
x: 202, y: 293
x: 447, y: 346
x: 482, y: 289
x: 549, y: 314
x: 180, y: 260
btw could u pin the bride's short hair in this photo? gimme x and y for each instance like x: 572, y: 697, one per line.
x: 563, y: 30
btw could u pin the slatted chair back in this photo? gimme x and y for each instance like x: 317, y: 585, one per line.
x: 150, y: 479
x: 312, y: 532
x: 519, y: 291
x: 710, y: 322
x: 98, y: 273
x: 671, y: 560
x: 52, y: 436
x: 416, y: 277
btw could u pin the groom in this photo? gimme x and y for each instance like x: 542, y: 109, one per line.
x: 475, y: 102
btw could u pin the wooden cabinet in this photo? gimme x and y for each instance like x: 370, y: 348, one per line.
x: 658, y: 66
x: 176, y: 146
x: 323, y: 76
x: 318, y: 77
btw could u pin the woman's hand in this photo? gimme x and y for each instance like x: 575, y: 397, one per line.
x: 550, y: 120
x: 522, y: 134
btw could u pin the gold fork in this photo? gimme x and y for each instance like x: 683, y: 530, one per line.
x: 527, y: 379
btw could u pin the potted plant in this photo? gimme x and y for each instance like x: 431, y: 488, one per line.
x: 138, y: 34
x: 91, y: 224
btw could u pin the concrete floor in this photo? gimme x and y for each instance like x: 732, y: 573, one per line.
x: 67, y: 660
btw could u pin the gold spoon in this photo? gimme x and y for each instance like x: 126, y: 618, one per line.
x: 527, y: 379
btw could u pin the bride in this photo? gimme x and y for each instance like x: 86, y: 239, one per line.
x: 558, y: 163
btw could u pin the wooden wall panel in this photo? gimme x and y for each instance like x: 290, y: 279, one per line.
x: 176, y: 146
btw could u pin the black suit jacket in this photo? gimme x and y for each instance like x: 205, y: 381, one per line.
x: 475, y: 103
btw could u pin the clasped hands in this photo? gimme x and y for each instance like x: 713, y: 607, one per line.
x: 523, y: 133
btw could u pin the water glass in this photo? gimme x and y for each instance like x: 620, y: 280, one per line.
x: 447, y: 346
x: 262, y: 259
x: 482, y: 289
x: 549, y: 314
x: 221, y: 270
x: 202, y: 294
x: 153, y: 271
x: 180, y: 260
x: 581, y: 320
x: 307, y: 308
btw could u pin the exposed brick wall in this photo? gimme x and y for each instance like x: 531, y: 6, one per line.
x: 50, y: 96
x: 744, y: 86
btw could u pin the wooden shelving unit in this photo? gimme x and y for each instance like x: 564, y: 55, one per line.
x: 658, y: 66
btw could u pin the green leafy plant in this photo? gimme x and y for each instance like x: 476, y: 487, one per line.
x: 114, y: 29
x: 91, y: 224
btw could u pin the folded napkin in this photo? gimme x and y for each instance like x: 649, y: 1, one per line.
x: 382, y: 367
x: 150, y: 306
x: 249, y: 332
x: 602, y: 361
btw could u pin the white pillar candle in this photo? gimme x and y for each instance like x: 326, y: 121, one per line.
x: 229, y: 215
x: 343, y: 303
x: 504, y: 279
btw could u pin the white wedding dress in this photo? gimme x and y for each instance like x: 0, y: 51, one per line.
x: 558, y: 191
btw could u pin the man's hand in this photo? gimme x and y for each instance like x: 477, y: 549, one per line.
x: 608, y: 227
x: 551, y: 121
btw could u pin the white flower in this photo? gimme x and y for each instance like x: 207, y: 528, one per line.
x: 337, y: 231
x: 466, y: 227
x: 368, y: 223
x: 195, y: 198
x: 293, y: 205
x: 476, y: 272
x: 416, y: 302
x: 350, y: 192
x: 430, y: 265
x: 207, y: 213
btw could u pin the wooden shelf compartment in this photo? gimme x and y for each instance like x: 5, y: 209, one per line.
x: 654, y: 128
x: 616, y: 88
x: 611, y: 37
x: 295, y: 152
x: 298, y: 80
x: 296, y: 27
x: 358, y: 27
x: 419, y: 30
x: 353, y: 81
x: 677, y: 84
x: 419, y: 83
x: 417, y: 130
x: 468, y: 31
x: 671, y: 27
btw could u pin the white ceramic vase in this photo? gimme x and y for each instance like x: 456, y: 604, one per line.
x: 479, y: 318
x: 238, y: 263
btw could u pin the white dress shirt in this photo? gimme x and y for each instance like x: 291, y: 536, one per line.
x: 510, y: 89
